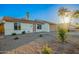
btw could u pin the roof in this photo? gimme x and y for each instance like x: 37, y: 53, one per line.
x: 10, y: 19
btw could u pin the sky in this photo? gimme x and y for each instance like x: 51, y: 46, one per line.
x: 48, y: 12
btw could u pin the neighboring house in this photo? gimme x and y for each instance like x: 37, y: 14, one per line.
x: 13, y: 25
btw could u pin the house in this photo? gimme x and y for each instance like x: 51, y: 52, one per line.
x: 14, y: 25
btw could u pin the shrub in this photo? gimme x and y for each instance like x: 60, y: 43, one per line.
x: 68, y: 30
x: 16, y: 38
x: 23, y: 32
x: 13, y: 33
x: 62, y: 34
x: 46, y: 49
x: 40, y: 35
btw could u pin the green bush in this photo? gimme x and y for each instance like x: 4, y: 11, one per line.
x: 68, y: 30
x: 13, y: 33
x: 40, y: 35
x: 46, y: 49
x: 16, y: 38
x: 23, y: 32
x: 62, y: 34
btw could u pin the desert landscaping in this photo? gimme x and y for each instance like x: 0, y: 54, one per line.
x: 55, y: 33
x: 33, y: 43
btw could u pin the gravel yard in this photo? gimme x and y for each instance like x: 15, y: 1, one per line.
x: 32, y: 43
x: 8, y: 43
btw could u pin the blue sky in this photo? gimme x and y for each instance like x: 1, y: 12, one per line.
x: 46, y: 12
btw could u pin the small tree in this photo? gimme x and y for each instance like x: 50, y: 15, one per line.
x: 63, y: 27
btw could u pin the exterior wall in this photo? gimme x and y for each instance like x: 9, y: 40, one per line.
x: 45, y: 28
x: 9, y: 28
x: 27, y: 27
x: 52, y: 27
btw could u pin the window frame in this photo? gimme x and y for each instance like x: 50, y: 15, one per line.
x: 39, y: 26
x: 17, y: 26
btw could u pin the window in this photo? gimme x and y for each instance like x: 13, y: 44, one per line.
x: 39, y: 26
x: 17, y: 26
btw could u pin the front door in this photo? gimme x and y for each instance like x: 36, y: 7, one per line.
x: 1, y: 29
x: 34, y: 27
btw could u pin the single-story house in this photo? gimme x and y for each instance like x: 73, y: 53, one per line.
x: 14, y: 25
